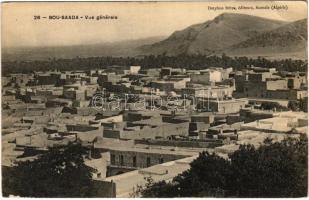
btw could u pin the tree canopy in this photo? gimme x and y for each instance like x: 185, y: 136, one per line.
x: 61, y: 172
x: 195, y: 62
x: 275, y: 169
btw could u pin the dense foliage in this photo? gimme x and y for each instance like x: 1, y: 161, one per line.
x: 275, y: 169
x: 184, y: 61
x: 60, y: 172
x: 273, y: 106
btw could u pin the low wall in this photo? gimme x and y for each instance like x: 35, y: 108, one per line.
x: 165, y: 130
x: 180, y: 143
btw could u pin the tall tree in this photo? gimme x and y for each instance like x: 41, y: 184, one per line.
x: 61, y: 172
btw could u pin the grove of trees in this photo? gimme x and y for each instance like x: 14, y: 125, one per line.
x: 151, y: 61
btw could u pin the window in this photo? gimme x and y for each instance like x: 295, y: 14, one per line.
x: 112, y: 159
x: 134, y: 161
x: 148, y: 161
x: 161, y: 160
x: 121, y: 160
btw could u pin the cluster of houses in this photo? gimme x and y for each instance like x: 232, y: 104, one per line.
x: 147, y: 119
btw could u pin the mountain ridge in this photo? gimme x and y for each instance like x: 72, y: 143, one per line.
x: 117, y: 49
x: 203, y: 38
x: 236, y: 35
x: 288, y: 40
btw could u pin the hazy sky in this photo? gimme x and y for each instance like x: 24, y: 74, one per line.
x: 135, y: 20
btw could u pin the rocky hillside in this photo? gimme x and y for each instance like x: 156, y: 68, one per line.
x: 286, y: 41
x: 213, y: 36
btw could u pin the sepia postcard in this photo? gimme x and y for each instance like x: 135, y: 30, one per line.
x: 154, y: 99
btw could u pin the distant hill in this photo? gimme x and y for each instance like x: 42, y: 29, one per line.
x: 287, y: 40
x: 212, y: 36
x: 117, y: 49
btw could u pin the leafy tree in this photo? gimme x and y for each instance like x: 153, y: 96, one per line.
x: 272, y: 106
x: 275, y: 169
x: 158, y: 189
x: 294, y: 105
x: 61, y: 172
x: 200, y: 179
